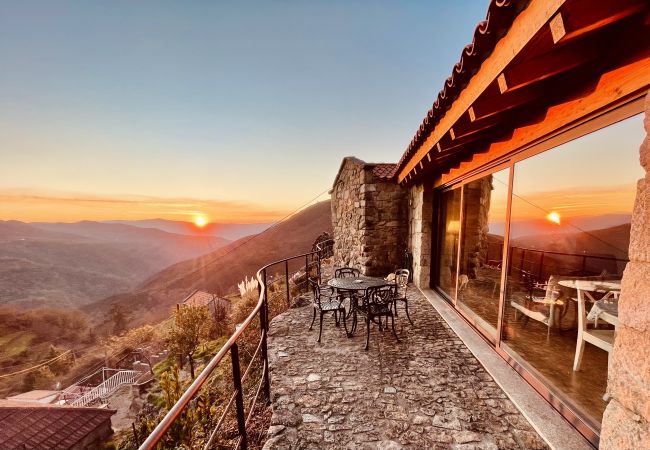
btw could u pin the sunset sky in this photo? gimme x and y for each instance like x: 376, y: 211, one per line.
x: 240, y: 110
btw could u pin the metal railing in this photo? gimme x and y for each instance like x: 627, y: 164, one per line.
x: 108, y: 386
x: 547, y: 261
x: 292, y: 265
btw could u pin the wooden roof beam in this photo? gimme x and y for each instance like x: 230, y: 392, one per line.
x: 527, y: 24
x: 546, y: 66
x: 588, y: 18
x: 496, y: 105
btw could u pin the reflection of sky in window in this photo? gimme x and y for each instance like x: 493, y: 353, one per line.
x: 592, y: 175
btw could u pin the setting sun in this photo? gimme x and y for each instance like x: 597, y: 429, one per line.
x: 200, y: 221
x: 553, y: 217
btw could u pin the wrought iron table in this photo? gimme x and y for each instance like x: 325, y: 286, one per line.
x: 357, y: 284
x: 356, y: 288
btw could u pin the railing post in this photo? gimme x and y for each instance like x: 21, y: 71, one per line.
x: 264, y: 325
x: 307, y: 271
x: 239, y: 398
x: 318, y: 267
x: 286, y: 276
x: 521, y: 265
x: 541, y: 268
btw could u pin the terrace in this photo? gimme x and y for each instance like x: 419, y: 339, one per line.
x: 523, y: 128
x: 436, y: 387
x: 425, y: 391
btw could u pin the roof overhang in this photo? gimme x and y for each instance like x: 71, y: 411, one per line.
x: 557, y: 62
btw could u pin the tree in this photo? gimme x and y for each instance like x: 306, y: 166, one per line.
x: 119, y: 317
x: 191, y: 326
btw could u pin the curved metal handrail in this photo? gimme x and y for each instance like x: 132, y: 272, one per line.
x: 176, y: 410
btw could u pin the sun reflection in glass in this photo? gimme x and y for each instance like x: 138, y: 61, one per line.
x: 553, y: 217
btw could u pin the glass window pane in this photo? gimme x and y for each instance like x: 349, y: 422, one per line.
x: 448, y: 244
x: 484, y: 216
x: 570, y: 224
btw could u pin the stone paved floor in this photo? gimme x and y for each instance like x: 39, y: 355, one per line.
x: 425, y: 392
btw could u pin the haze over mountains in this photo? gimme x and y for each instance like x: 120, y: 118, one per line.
x: 542, y: 226
x: 220, y: 271
x: 73, y: 264
x: 230, y: 231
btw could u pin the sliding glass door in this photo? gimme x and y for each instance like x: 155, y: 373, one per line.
x: 448, y: 239
x: 481, y: 249
x: 565, y: 223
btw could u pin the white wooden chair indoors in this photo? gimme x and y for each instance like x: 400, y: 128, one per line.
x: 603, y: 339
x: 543, y: 309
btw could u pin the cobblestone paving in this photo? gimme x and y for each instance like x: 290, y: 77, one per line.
x: 425, y: 392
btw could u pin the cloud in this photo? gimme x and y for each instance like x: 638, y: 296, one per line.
x: 34, y: 206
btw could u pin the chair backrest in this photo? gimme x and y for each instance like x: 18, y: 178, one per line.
x: 346, y: 272
x: 553, y: 291
x: 401, y: 282
x: 380, y: 295
x: 315, y: 290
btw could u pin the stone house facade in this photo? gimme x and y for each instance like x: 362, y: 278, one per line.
x: 368, y: 218
x: 479, y: 124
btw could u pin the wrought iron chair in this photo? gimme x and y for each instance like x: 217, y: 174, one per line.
x: 377, y: 303
x: 354, y: 296
x: 347, y: 272
x: 325, y: 301
x: 401, y: 284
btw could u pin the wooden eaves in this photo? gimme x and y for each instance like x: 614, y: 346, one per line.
x: 559, y: 62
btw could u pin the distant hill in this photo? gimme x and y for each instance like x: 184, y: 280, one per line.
x: 540, y: 226
x: 219, y: 272
x: 71, y: 264
x: 230, y: 231
x: 612, y: 241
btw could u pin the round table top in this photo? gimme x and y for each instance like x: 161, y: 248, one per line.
x: 593, y: 285
x: 357, y: 284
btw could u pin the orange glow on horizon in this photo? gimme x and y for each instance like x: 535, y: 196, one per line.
x: 43, y: 206
x: 553, y: 217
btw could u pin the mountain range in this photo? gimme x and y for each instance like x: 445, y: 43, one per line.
x: 219, y: 272
x: 73, y: 264
x: 230, y: 231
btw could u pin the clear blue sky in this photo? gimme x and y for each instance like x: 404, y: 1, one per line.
x: 246, y: 104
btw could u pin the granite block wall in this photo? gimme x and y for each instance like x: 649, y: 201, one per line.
x: 626, y: 422
x: 369, y: 219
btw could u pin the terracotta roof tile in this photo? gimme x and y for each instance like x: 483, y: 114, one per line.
x: 384, y: 171
x: 51, y: 427
x: 202, y: 298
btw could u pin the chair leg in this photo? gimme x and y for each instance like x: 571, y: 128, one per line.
x: 406, y: 308
x: 580, y: 347
x: 395, y: 306
x: 320, y: 332
x: 336, y: 318
x: 313, y: 319
x: 392, y: 320
x: 367, y: 331
x: 345, y: 323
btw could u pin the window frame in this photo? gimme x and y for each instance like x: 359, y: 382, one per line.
x: 457, y: 179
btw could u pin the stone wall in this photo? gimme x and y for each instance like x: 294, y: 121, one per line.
x: 369, y: 219
x: 626, y: 422
x: 420, y: 229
